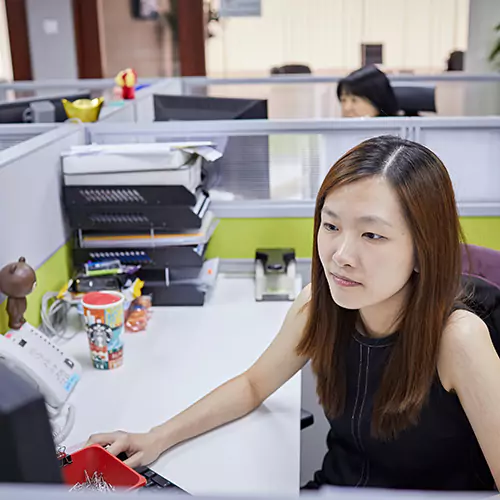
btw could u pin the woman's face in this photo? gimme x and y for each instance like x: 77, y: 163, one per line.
x: 353, y: 106
x: 365, y: 245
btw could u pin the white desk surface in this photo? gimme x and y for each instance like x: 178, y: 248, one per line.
x: 185, y: 353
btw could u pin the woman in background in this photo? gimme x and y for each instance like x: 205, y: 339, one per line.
x: 367, y: 92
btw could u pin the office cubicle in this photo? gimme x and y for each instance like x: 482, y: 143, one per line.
x: 309, y: 96
x: 29, y: 88
x: 32, y: 222
x: 294, y: 96
x: 139, y: 110
x: 300, y: 153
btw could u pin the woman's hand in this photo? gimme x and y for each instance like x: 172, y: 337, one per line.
x: 141, y: 449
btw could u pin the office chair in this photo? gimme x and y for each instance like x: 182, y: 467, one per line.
x: 291, y: 69
x: 306, y: 419
x: 414, y: 99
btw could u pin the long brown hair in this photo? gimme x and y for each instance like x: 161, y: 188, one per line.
x: 425, y: 192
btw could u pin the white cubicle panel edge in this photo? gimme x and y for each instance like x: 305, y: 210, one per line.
x: 32, y: 224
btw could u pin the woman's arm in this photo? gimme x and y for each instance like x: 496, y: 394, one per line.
x: 230, y: 401
x: 471, y: 367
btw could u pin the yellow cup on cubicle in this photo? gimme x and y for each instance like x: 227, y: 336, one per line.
x: 85, y: 110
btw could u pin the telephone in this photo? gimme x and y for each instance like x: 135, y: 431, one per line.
x: 34, y: 357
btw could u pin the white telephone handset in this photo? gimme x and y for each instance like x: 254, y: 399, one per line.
x: 33, y: 356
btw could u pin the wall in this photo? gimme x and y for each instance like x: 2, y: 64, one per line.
x: 483, y: 17
x: 128, y: 42
x: 327, y: 34
x: 52, y: 39
x: 238, y: 238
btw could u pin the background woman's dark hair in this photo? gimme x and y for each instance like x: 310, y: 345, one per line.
x: 424, y: 189
x: 372, y: 84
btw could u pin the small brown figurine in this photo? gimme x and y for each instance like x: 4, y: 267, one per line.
x: 17, y: 280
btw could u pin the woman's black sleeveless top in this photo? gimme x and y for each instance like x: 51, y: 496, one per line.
x: 441, y: 452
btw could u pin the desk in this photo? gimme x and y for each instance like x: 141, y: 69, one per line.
x: 185, y: 353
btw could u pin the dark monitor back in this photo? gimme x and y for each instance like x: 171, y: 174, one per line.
x: 28, y: 454
x: 244, y: 167
x: 176, y: 107
x: 12, y: 111
x: 414, y: 99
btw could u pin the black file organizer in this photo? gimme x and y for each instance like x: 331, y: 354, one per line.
x: 134, y: 209
x: 148, y: 258
x: 78, y: 196
x: 174, y: 294
x: 182, y: 262
x: 124, y: 218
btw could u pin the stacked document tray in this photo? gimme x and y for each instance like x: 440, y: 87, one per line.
x: 163, y: 228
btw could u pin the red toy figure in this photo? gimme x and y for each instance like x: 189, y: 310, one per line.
x: 17, y: 280
x: 127, y: 79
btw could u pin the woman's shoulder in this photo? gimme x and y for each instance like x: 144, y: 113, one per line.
x: 463, y: 336
x: 463, y: 328
x: 304, y: 297
x: 300, y: 306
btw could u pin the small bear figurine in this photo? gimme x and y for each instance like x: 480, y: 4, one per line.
x: 17, y: 280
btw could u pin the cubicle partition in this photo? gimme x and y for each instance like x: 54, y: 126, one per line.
x: 139, y: 110
x: 300, y: 154
x: 288, y: 96
x: 32, y: 223
x: 311, y: 96
x: 11, y: 135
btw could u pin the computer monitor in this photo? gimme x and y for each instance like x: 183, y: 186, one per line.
x: 187, y: 107
x: 28, y: 453
x: 244, y: 167
x: 414, y: 99
x: 13, y: 111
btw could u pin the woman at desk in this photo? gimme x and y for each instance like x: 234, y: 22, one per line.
x: 368, y: 93
x: 407, y: 374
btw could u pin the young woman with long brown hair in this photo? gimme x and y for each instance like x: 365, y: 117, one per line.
x: 408, y: 377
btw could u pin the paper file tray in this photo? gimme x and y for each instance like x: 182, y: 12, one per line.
x: 113, y: 196
x: 172, y: 274
x: 148, y: 258
x: 135, y: 218
x: 150, y: 239
x: 180, y: 290
x: 130, y: 168
x: 174, y: 295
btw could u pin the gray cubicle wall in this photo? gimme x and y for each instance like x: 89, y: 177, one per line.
x: 294, y: 96
x: 11, y: 135
x: 470, y: 149
x: 139, y: 110
x: 32, y: 222
x: 310, y: 96
x: 302, y: 151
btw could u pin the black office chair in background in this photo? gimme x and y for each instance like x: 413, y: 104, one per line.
x: 291, y: 69
x: 415, y: 99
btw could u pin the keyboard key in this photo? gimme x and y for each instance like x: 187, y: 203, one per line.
x: 161, y: 481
